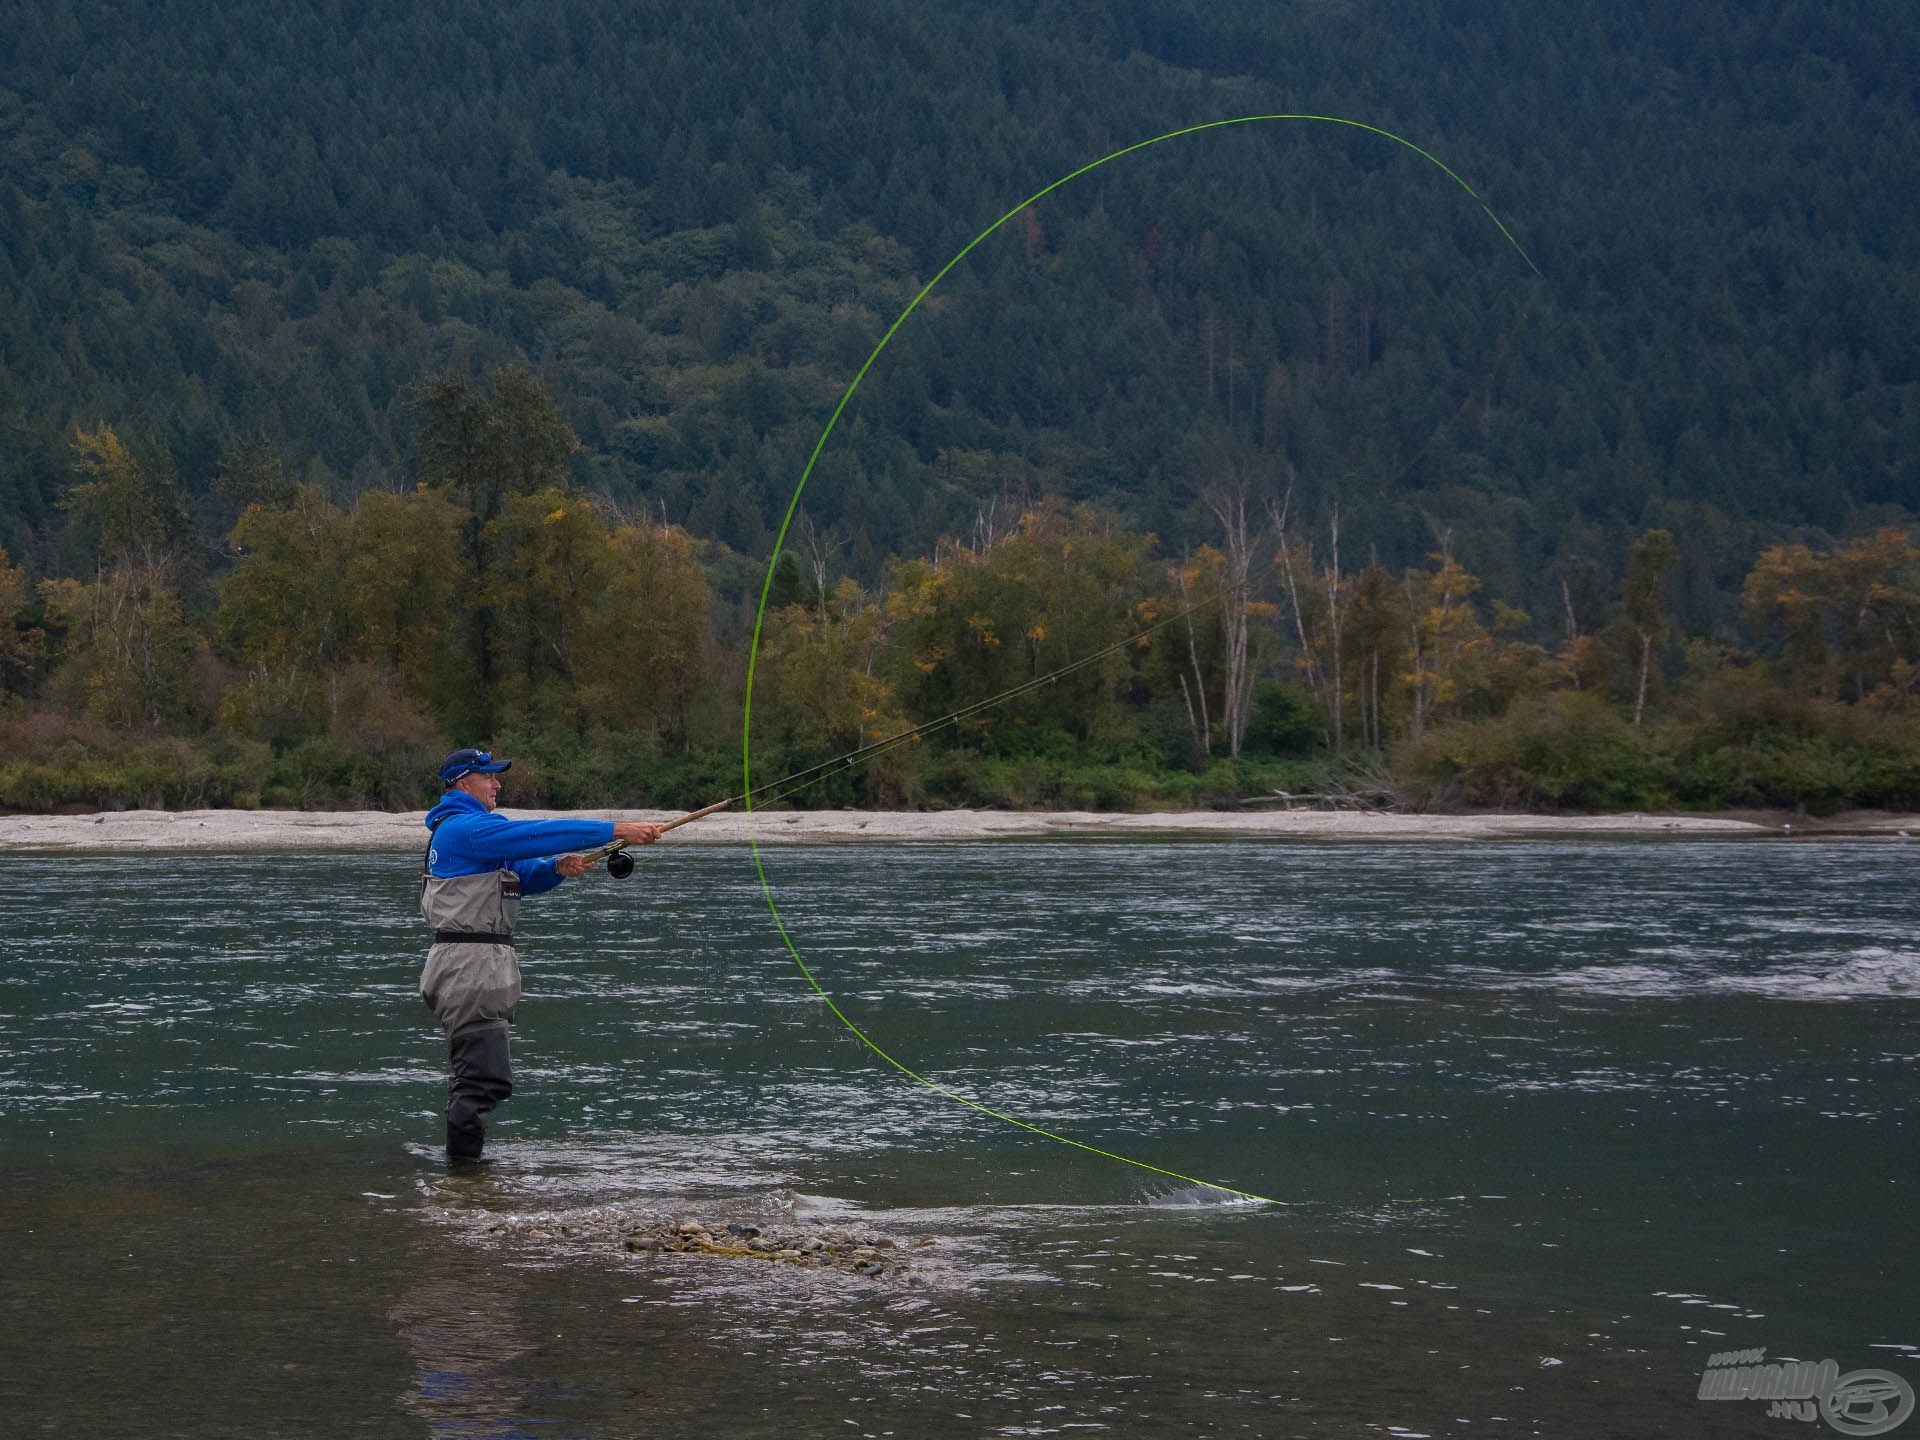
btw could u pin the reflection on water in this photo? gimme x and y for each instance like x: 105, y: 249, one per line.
x: 1552, y: 1122
x: 461, y: 1324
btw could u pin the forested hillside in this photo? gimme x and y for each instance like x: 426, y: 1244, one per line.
x: 266, y: 251
x: 693, y: 220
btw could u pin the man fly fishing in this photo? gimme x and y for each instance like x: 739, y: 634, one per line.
x: 478, y: 866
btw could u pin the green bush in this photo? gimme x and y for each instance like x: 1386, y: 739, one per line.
x: 329, y: 773
x: 1890, y: 776
x: 1285, y: 721
x: 1757, y: 747
x: 637, y: 778
x: 1564, y: 751
x: 151, y: 774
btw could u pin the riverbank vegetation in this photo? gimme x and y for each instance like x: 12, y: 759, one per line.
x: 337, y: 650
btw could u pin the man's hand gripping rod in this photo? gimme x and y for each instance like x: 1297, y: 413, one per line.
x: 620, y: 863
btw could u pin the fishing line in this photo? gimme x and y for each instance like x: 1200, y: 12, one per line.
x: 766, y: 591
x: 620, y: 863
x: 781, y: 789
x: 876, y: 748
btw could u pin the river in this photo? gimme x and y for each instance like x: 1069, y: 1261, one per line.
x: 1545, y: 1127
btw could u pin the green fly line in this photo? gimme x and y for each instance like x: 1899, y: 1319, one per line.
x: 766, y: 592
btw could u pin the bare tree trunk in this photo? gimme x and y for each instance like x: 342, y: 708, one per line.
x: 1309, y: 661
x: 1201, y: 724
x: 1646, y: 666
x: 1432, y: 677
x: 1193, y: 723
x: 820, y: 548
x: 1228, y: 502
x: 1573, y: 625
x: 1326, y: 685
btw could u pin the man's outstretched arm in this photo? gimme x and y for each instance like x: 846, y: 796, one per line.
x: 537, y: 876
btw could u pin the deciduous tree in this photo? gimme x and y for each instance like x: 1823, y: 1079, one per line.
x: 21, y: 642
x: 1643, y: 608
x: 283, y: 615
x: 649, y: 638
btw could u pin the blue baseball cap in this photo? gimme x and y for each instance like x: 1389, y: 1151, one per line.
x: 469, y: 762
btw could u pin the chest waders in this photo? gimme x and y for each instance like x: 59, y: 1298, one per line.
x: 472, y: 983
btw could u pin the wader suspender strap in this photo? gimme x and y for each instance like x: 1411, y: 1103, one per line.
x: 426, y: 856
x: 456, y: 937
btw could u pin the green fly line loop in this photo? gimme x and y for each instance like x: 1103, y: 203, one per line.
x: 766, y: 592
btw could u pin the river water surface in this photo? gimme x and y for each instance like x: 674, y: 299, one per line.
x: 1551, y: 1124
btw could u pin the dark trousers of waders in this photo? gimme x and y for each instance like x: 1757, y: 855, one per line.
x: 481, y: 1078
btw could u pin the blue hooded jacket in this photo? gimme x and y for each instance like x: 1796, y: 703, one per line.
x: 469, y: 839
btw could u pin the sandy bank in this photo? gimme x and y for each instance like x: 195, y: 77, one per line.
x: 281, y: 830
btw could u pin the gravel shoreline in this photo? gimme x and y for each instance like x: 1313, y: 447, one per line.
x: 244, y: 831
